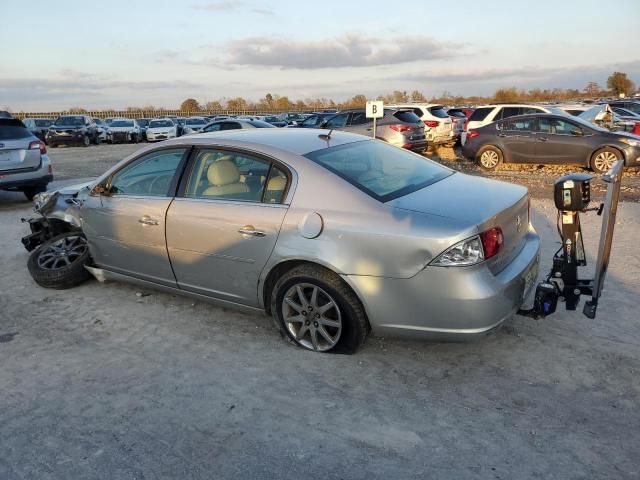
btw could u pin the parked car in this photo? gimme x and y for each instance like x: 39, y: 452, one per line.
x: 550, y: 139
x: 124, y: 130
x: 143, y: 123
x: 603, y: 116
x: 73, y: 130
x: 5, y: 114
x: 38, y: 126
x: 193, y: 125
x: 314, y: 120
x: 275, y: 121
x: 24, y: 163
x: 438, y: 125
x: 402, y: 245
x: 291, y: 118
x: 235, y: 124
x: 466, y: 111
x: 459, y: 121
x: 400, y: 127
x: 161, y: 129
x: 628, y: 104
x: 491, y: 113
x: 102, y: 129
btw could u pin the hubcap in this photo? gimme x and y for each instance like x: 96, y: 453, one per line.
x: 605, y: 160
x: 489, y: 158
x: 62, y: 253
x: 312, y: 317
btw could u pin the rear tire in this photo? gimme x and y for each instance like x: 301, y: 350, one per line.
x: 31, y: 192
x: 59, y: 262
x: 489, y: 158
x: 602, y: 160
x: 332, y: 321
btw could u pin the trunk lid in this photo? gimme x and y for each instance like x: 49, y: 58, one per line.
x: 16, y: 156
x: 478, y: 202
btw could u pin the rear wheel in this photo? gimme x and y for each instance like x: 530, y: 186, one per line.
x: 86, y: 141
x: 59, y: 262
x: 31, y: 192
x: 489, y: 157
x: 317, y: 311
x: 603, y: 159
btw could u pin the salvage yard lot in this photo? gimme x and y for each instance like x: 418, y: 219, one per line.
x: 110, y: 381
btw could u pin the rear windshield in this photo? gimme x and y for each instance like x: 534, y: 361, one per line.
x: 12, y: 132
x: 70, y: 121
x: 479, y: 114
x: 407, y: 116
x: 381, y: 170
x: 439, y: 112
x: 43, y: 123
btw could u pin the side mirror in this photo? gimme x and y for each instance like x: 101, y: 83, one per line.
x: 100, y: 189
x: 576, y: 132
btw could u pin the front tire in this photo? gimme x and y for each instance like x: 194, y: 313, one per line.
x: 86, y: 141
x: 317, y: 311
x: 489, y: 158
x: 59, y: 262
x: 603, y: 159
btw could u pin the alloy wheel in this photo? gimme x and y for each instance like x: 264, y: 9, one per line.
x: 62, y: 253
x: 604, y: 161
x: 312, y: 317
x: 489, y: 159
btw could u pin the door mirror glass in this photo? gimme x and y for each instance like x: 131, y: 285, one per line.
x: 577, y: 132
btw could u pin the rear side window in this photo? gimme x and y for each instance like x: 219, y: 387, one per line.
x: 407, y: 116
x: 439, y: 112
x: 507, y: 112
x: 12, y: 132
x: 230, y: 126
x: 480, y: 114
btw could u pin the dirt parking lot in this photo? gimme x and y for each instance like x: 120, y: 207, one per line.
x: 108, y: 381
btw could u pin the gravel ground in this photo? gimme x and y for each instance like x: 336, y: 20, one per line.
x: 99, y: 382
x: 78, y: 162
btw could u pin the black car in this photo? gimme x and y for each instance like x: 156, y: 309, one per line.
x: 38, y: 126
x: 314, y: 121
x: 74, y: 130
x: 550, y: 139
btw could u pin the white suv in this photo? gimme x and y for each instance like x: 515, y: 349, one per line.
x: 438, y: 126
x: 486, y: 114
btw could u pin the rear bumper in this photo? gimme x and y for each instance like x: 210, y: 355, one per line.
x: 435, y: 138
x: 453, y: 302
x: 16, y: 181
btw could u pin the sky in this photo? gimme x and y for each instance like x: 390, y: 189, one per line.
x: 119, y: 53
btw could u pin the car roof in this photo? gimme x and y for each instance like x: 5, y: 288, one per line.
x: 299, y: 141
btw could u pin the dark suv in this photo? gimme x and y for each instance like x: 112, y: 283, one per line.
x: 399, y: 127
x: 73, y: 129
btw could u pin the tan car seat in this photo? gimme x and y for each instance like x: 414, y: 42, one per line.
x: 275, y: 188
x: 224, y: 179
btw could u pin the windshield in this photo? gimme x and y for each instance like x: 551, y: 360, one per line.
x: 271, y: 119
x: 70, y: 121
x: 160, y: 123
x: 43, y: 123
x: 122, y: 123
x: 260, y: 124
x: 381, y: 170
x: 196, y: 121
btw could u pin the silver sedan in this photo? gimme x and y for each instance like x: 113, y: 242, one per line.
x: 334, y: 234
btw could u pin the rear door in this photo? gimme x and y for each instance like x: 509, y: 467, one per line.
x: 561, y: 141
x: 125, y: 226
x: 18, y: 152
x: 518, y: 139
x: 222, y: 229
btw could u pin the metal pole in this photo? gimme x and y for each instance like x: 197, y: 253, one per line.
x: 375, y: 124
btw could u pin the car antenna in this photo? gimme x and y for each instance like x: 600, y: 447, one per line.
x: 326, y: 137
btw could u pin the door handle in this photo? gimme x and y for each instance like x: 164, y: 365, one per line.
x: 147, y: 220
x: 250, y: 231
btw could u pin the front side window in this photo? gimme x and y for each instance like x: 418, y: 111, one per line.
x: 555, y: 126
x: 215, y: 127
x: 151, y: 175
x: 219, y: 174
x: 381, y: 170
x: 519, y: 125
x: 359, y: 118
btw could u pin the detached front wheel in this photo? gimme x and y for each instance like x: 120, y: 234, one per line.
x: 317, y: 311
x: 59, y: 262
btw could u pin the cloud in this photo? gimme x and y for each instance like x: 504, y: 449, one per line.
x: 221, y: 6
x: 353, y: 50
x: 263, y: 11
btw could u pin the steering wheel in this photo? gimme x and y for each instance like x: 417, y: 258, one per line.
x: 163, y: 182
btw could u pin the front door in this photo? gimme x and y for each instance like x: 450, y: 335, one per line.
x: 518, y: 137
x: 125, y: 225
x: 222, y: 231
x: 561, y: 142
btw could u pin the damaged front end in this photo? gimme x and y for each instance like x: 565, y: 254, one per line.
x: 57, y: 212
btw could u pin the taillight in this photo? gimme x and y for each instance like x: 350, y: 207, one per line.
x: 37, y: 144
x: 472, y: 134
x: 492, y: 241
x: 636, y: 129
x: 431, y: 123
x: 401, y: 128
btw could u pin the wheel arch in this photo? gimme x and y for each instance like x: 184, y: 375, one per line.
x: 613, y: 147
x: 505, y: 157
